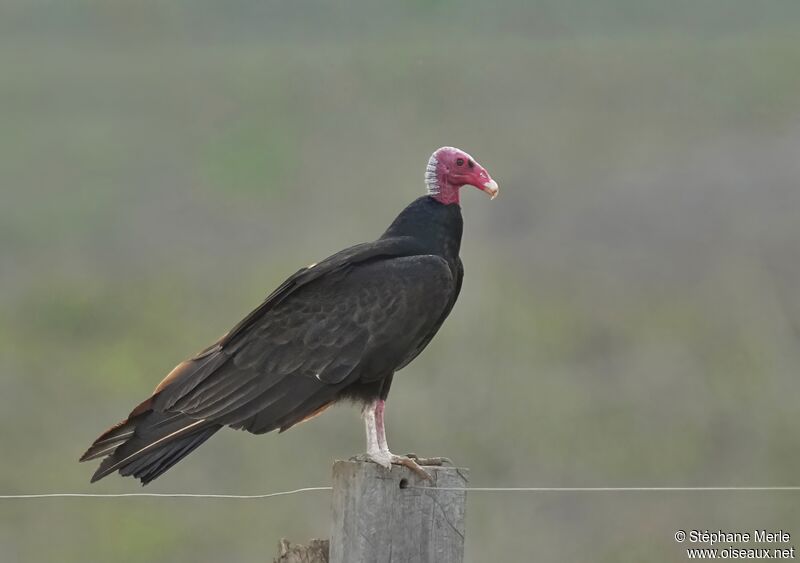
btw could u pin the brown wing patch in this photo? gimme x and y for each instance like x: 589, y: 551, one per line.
x: 176, y: 372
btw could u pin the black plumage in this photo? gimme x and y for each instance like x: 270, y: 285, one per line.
x: 335, y: 330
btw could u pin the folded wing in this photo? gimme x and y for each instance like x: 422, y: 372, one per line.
x: 358, y: 315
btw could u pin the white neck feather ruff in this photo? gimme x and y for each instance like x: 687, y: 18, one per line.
x: 431, y: 180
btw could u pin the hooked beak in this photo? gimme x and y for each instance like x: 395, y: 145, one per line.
x: 491, y: 188
x: 479, y: 178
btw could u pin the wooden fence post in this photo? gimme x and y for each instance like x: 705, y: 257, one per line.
x: 379, y: 516
x: 315, y: 552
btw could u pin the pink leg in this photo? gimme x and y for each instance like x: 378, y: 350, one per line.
x: 378, y: 450
x: 380, y: 425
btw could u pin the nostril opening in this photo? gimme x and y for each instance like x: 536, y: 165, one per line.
x: 403, y: 483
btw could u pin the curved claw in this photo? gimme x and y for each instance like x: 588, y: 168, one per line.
x: 407, y: 461
x: 411, y: 461
x: 432, y: 461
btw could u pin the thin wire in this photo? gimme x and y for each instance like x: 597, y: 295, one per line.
x: 168, y: 495
x: 604, y: 489
x: 460, y: 489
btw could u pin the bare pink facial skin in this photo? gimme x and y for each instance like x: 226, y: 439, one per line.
x: 449, y: 169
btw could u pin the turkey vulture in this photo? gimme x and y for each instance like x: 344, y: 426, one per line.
x: 337, y: 329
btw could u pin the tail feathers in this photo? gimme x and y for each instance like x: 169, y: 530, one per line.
x: 148, y: 444
x: 110, y: 440
x: 154, y: 463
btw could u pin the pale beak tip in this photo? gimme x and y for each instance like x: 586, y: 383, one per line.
x: 492, y: 189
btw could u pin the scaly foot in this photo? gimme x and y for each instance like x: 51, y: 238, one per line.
x: 411, y: 461
x: 438, y: 461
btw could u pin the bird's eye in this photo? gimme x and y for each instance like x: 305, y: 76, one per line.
x: 460, y: 161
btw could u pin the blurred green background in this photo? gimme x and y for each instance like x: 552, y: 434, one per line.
x: 630, y: 313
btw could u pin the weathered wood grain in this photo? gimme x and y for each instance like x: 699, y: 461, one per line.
x: 379, y: 515
x: 315, y: 552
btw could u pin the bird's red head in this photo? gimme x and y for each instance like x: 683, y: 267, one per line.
x: 449, y: 169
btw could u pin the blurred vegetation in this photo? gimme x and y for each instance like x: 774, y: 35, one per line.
x: 630, y: 313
